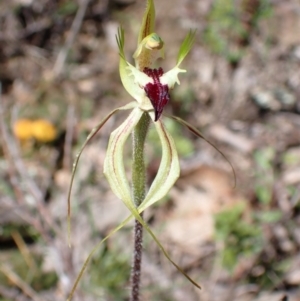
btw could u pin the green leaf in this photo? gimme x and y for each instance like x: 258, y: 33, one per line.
x: 270, y: 216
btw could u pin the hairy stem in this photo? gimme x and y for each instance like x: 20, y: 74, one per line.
x: 138, y: 190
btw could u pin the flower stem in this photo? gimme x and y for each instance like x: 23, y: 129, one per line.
x: 138, y: 190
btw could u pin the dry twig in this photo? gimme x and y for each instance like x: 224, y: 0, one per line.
x: 61, y: 58
x: 15, y: 279
x: 19, y: 175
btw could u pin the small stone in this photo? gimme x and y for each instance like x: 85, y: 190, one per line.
x: 293, y: 278
x: 265, y: 100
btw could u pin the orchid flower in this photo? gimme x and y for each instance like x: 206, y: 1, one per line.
x: 150, y: 88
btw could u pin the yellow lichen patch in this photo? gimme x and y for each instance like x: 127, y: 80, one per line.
x: 23, y: 129
x: 43, y: 130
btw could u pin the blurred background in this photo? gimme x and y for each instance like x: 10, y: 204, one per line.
x: 59, y: 78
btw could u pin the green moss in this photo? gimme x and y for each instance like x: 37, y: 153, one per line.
x: 229, y: 26
x: 239, y: 237
x: 108, y: 274
x: 33, y: 276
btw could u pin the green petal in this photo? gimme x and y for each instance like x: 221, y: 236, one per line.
x: 199, y: 134
x: 171, y: 77
x: 138, y: 217
x: 94, y: 131
x: 85, y: 264
x: 115, y: 173
x: 121, y: 225
x: 127, y: 80
x: 186, y: 46
x: 113, y: 164
x: 148, y: 21
x: 168, y: 171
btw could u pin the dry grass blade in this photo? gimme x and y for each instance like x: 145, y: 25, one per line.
x: 24, y: 250
x: 22, y: 285
x: 61, y: 58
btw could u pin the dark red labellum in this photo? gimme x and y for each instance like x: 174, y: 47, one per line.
x: 156, y: 92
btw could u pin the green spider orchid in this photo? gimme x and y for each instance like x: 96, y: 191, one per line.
x: 150, y: 88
